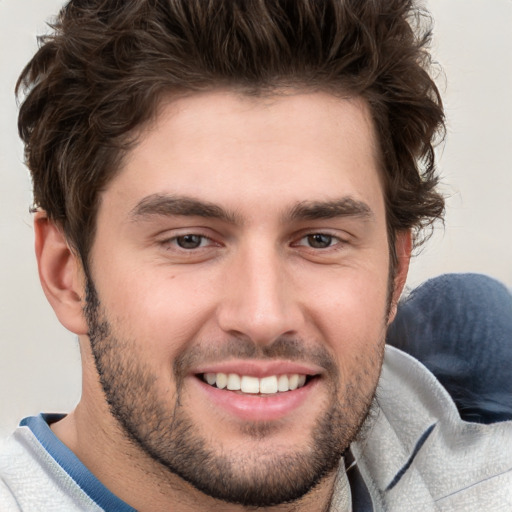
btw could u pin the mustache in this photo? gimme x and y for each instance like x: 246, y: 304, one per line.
x: 289, y: 348
x: 292, y: 348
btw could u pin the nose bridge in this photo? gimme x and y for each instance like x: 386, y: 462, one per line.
x: 259, y: 302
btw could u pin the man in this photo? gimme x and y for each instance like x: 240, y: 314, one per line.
x: 227, y: 195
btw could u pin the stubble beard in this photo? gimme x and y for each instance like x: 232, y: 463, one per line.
x: 257, y: 478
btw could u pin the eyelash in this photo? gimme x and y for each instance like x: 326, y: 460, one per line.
x: 333, y: 241
x: 174, y: 241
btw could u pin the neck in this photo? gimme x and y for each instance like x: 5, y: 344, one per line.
x: 147, y: 486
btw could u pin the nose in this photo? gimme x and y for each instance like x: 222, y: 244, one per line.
x: 260, y: 300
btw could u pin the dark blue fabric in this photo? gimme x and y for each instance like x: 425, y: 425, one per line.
x: 361, y: 499
x: 39, y: 425
x: 419, y: 445
x: 460, y: 327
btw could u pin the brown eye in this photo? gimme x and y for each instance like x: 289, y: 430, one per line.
x: 189, y: 241
x: 319, y: 241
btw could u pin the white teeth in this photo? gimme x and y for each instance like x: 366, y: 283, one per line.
x: 211, y: 378
x: 253, y: 385
x: 233, y: 382
x: 250, y: 384
x: 293, y: 381
x: 268, y: 385
x: 221, y: 380
x: 283, y: 383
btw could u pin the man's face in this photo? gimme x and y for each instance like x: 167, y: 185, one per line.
x: 243, y: 245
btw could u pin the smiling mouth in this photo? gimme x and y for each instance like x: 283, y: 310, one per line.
x: 269, y: 385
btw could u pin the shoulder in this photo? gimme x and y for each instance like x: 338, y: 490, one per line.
x: 417, y: 453
x: 9, y: 453
x: 7, y: 499
x: 31, y: 480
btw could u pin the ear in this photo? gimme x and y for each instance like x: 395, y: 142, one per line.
x: 61, y: 274
x: 403, y: 248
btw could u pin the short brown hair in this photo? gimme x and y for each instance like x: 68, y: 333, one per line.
x: 102, y: 72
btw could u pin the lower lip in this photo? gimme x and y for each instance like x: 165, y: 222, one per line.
x: 257, y: 407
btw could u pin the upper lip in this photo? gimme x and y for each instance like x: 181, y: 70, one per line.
x: 259, y: 368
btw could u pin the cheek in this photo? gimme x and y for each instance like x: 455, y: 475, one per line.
x: 351, y: 313
x: 352, y: 298
x: 162, y: 309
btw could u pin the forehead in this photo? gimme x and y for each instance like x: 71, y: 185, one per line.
x: 244, y: 151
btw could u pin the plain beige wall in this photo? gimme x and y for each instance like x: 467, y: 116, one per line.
x: 39, y: 361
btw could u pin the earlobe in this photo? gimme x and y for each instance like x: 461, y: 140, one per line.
x: 403, y: 248
x: 60, y: 272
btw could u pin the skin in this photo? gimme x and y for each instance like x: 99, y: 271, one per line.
x: 257, y: 277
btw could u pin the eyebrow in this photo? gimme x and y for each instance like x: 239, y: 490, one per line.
x: 166, y: 205
x: 317, y: 210
x: 169, y: 205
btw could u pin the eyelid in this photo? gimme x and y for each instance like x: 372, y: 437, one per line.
x: 168, y: 238
x: 203, y: 241
x: 173, y: 239
x: 335, y: 242
x: 342, y: 237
